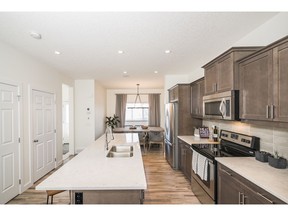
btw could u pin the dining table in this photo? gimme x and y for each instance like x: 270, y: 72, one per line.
x: 137, y: 129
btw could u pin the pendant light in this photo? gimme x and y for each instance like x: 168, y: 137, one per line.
x: 137, y: 97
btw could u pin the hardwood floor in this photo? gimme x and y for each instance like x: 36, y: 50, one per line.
x: 165, y: 185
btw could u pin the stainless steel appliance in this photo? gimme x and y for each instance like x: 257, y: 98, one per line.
x: 224, y: 105
x: 171, y: 133
x: 231, y: 145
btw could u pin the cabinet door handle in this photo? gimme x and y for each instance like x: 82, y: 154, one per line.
x: 267, y: 111
x: 268, y: 200
x: 243, y: 198
x: 214, y: 87
x: 227, y: 172
x: 272, y: 112
x: 240, y: 198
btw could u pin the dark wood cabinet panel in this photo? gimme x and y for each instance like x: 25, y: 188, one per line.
x: 264, y: 84
x: 235, y: 189
x: 221, y: 73
x: 210, y: 79
x: 228, y: 188
x: 188, y: 162
x: 255, y: 87
x: 174, y: 94
x: 281, y: 83
x: 225, y: 73
x: 185, y: 158
x: 197, y: 93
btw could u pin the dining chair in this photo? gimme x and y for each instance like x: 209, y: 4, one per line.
x: 156, y: 137
x: 143, y: 140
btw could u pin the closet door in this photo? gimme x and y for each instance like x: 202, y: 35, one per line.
x: 43, y: 133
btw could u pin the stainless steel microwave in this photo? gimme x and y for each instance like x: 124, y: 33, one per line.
x: 224, y: 105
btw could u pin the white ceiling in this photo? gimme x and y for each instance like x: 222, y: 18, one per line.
x: 89, y: 41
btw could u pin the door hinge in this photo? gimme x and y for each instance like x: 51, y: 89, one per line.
x: 19, y: 97
x: 20, y: 181
x: 55, y: 159
x: 19, y: 139
x: 54, y: 130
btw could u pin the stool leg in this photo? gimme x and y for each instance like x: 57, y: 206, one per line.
x: 52, y: 199
x: 47, y: 199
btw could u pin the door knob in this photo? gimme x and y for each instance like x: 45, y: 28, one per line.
x: 35, y: 141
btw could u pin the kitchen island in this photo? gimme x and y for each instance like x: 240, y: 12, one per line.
x: 94, y: 178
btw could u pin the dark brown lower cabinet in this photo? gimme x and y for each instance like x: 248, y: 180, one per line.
x: 235, y: 189
x: 185, y: 158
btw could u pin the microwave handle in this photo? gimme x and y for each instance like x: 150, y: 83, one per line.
x: 222, y: 108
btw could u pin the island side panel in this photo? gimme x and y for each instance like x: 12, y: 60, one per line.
x: 108, y: 197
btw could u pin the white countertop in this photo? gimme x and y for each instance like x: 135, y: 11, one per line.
x: 92, y: 170
x: 197, y: 140
x: 274, y: 181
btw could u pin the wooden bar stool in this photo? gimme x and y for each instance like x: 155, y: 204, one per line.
x: 51, y: 193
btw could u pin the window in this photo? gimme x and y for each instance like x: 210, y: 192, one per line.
x: 136, y: 114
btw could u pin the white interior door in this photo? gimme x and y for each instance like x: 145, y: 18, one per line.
x: 43, y: 133
x: 9, y: 148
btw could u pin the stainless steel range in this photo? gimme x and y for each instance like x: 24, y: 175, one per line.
x: 204, y: 165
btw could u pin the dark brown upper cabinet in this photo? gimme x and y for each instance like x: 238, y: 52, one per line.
x: 264, y: 83
x: 197, y: 92
x: 221, y: 73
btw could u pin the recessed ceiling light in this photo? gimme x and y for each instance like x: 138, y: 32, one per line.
x: 57, y: 52
x: 155, y: 72
x: 35, y: 35
x: 167, y: 51
x: 120, y: 51
x: 125, y: 74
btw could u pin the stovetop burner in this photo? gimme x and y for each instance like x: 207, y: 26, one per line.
x: 231, y: 145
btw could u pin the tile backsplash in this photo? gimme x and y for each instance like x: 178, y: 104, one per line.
x: 271, y: 138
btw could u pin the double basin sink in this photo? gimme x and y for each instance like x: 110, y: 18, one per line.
x: 120, y: 151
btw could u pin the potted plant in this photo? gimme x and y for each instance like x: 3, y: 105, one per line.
x: 276, y: 161
x: 112, y: 121
x: 262, y: 156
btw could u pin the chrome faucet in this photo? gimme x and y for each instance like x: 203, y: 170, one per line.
x: 108, y: 130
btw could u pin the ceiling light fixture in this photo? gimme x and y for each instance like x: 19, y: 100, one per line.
x: 155, y: 72
x: 120, y: 51
x: 125, y: 72
x: 35, y: 35
x: 167, y: 51
x: 137, y: 97
x: 57, y: 52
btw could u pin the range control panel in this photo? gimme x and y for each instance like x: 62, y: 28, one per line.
x: 240, y: 139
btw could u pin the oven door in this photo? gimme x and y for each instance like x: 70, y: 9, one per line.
x: 205, y: 191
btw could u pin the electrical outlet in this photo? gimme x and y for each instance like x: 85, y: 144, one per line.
x: 78, y: 198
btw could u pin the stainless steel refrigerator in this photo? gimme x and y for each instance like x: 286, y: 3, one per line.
x: 171, y: 133
x: 178, y: 122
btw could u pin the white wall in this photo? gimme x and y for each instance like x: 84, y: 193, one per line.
x: 84, y: 114
x: 100, y: 109
x: 32, y: 74
x: 111, y: 99
x: 274, y: 29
